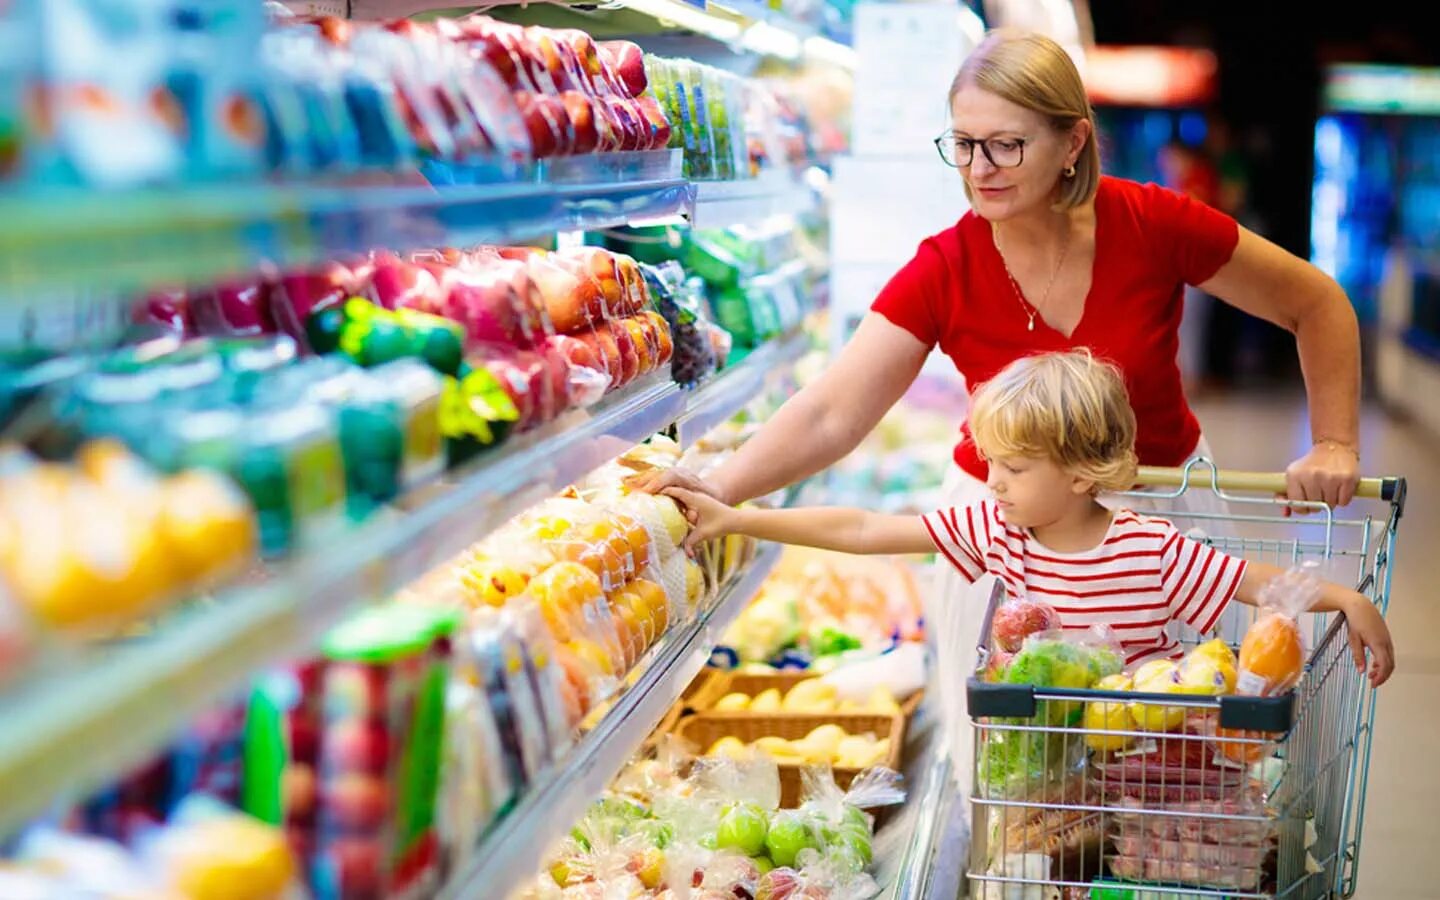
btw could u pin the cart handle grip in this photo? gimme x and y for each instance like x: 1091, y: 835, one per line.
x: 1389, y: 488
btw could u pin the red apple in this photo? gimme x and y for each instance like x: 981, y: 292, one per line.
x: 602, y: 343
x: 572, y: 302
x: 358, y: 745
x: 659, y: 125
x: 544, y: 131
x: 1016, y: 620
x: 535, y: 321
x: 627, y: 61
x: 487, y: 307
x: 396, y: 283
x: 301, y: 293
x: 629, y: 353
x: 582, y: 119
x: 600, y: 266
x: 557, y: 77
x: 526, y: 378
x: 356, y: 802
x: 501, y: 56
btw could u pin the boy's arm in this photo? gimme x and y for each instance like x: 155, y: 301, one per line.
x: 827, y: 528
x: 1367, y: 626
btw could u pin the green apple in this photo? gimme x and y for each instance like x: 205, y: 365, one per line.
x: 743, y: 827
x: 789, y: 834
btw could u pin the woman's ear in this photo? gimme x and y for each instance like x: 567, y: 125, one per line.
x: 1080, y: 132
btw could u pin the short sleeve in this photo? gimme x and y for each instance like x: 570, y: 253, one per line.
x: 1197, y: 239
x: 1199, y: 581
x: 963, y: 536
x: 915, y: 294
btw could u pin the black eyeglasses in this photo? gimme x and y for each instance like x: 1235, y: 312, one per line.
x: 958, y: 152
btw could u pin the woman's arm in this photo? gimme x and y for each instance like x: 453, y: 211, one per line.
x: 1367, y: 626
x: 820, y: 424
x: 826, y: 528
x: 1267, y: 281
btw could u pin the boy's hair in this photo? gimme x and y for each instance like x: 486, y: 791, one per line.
x: 1067, y: 407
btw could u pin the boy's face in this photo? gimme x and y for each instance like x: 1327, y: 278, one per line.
x: 1033, y: 491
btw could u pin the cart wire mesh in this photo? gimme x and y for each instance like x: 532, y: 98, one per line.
x: 1117, y: 794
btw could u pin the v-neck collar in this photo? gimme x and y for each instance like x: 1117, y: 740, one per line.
x: 1095, y: 270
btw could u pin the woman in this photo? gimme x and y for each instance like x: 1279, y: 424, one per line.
x: 1054, y: 256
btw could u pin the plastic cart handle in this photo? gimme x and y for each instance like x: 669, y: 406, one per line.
x: 1389, y: 489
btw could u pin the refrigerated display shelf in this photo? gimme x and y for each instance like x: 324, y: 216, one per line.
x: 731, y: 390
x: 128, y: 241
x: 77, y: 720
x: 514, y: 849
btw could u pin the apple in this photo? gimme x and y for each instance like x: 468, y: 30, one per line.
x: 544, y: 133
x: 233, y: 308
x: 356, y: 802
x: 576, y: 352
x: 488, y: 308
x: 358, y: 745
x: 660, y: 329
x: 301, y: 293
x: 1016, y: 620
x: 572, y: 302
x: 356, y: 866
x: 634, y: 130
x: 743, y: 827
x: 782, y: 883
x: 535, y: 322
x: 629, y: 352
x: 789, y: 834
x: 600, y: 266
x: 626, y: 61
x: 646, y: 346
x: 548, y: 64
x: 581, y: 110
x: 602, y: 344
x: 395, y: 283
x: 660, y: 128
x: 499, y: 53
x: 169, y: 309
x: 334, y: 29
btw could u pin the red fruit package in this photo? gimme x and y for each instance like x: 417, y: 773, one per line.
x: 602, y: 267
x: 236, y: 308
x: 574, y: 301
x: 298, y: 294
x: 1015, y: 620
x: 627, y: 350
x: 394, y: 283
x: 659, y: 125
x: 528, y: 378
x: 167, y: 309
x: 626, y: 62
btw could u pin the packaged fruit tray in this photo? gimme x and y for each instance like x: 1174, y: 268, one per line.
x: 754, y: 684
x: 705, y: 730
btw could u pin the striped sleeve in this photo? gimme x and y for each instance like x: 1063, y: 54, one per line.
x: 963, y: 536
x: 1199, y: 581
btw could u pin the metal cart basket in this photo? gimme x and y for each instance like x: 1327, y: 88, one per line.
x: 1121, y: 795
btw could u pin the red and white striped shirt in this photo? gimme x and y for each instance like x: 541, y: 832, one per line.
x: 1142, y: 576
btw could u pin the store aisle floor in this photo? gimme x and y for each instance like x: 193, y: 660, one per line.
x: 1402, y: 826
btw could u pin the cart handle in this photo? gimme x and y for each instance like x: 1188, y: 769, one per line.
x: 1390, y: 489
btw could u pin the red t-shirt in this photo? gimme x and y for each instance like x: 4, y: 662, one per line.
x: 1149, y: 243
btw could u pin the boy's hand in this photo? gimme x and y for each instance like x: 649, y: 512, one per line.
x: 1367, y: 630
x: 708, y: 517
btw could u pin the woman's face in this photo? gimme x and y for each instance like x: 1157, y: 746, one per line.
x: 1001, y: 192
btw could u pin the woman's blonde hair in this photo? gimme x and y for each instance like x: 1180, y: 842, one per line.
x: 1070, y: 408
x: 1033, y: 71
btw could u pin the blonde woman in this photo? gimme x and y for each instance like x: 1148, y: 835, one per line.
x: 1053, y: 256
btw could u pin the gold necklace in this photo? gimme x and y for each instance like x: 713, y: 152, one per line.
x: 1031, y: 309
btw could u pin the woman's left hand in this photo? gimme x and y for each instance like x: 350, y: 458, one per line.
x: 1329, y: 474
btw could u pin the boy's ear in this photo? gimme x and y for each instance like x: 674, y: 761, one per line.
x: 1083, y: 486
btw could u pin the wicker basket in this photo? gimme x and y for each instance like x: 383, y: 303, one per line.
x: 705, y: 690
x: 754, y: 683
x: 705, y: 729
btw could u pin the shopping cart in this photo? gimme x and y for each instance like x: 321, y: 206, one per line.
x: 1230, y: 797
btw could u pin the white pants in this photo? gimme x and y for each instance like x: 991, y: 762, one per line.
x: 955, y: 609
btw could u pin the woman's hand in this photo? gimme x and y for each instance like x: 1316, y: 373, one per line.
x: 1328, y: 474
x: 1368, y: 631
x: 660, y: 481
x: 708, y: 517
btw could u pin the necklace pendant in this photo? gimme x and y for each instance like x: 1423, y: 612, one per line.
x: 1031, y: 326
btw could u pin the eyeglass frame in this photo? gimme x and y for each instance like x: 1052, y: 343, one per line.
x: 984, y: 145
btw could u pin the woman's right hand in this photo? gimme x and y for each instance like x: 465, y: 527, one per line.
x: 658, y: 481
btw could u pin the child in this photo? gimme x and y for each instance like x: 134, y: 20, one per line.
x: 1057, y: 430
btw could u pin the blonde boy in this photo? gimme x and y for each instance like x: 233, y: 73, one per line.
x: 1057, y: 430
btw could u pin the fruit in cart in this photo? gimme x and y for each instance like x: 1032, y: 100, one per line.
x: 743, y: 827
x: 997, y: 664
x: 1160, y: 676
x: 1101, y: 716
x: 1205, y: 675
x: 788, y: 836
x: 1015, y: 620
x: 1272, y: 656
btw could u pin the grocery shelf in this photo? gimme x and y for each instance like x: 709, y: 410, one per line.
x: 132, y: 698
x: 729, y: 392
x: 726, y: 204
x: 513, y: 851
